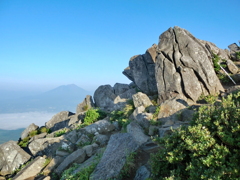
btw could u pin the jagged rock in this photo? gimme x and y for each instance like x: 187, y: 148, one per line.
x: 232, y: 67
x: 30, y: 128
x: 142, y: 173
x: 100, y: 127
x: 76, y: 120
x: 119, y: 147
x: 137, y: 132
x: 141, y: 99
x: 120, y: 88
x: 72, y: 136
x: 167, y: 130
x: 171, y: 106
x: 233, y: 49
x: 85, y: 105
x: 137, y: 111
x: 183, y: 67
x: 144, y: 119
x: 101, y: 139
x: 88, y: 150
x: 62, y: 153
x: 236, y: 77
x: 47, y: 146
x: 39, y: 136
x: 104, y: 97
x: 141, y: 71
x: 84, y: 139
x: 59, y: 121
x: 77, y: 156
x: 52, y: 165
x: 152, y: 130
x: 11, y: 157
x: 32, y: 169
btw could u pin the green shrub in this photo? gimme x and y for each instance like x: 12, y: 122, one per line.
x: 59, y: 133
x: 128, y: 166
x: 85, y: 107
x: 216, y: 65
x: 155, y: 115
x: 44, y: 130
x: 238, y: 55
x: 91, y: 116
x: 208, y: 149
x: 33, y: 133
x: 24, y: 142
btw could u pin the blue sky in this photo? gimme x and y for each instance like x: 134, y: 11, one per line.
x: 45, y: 44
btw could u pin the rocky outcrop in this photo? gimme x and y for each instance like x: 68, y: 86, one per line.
x: 111, y: 98
x: 11, y: 157
x: 233, y: 49
x: 183, y: 67
x: 30, y: 128
x: 59, y: 121
x: 141, y: 99
x: 32, y: 169
x: 85, y: 105
x: 141, y: 71
x: 119, y: 147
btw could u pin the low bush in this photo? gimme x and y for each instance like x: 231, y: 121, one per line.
x: 207, y: 149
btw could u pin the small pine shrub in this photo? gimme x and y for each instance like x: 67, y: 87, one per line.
x: 91, y: 116
x: 216, y: 65
x: 128, y: 166
x: 44, y: 130
x: 238, y: 55
x: 207, y: 149
x: 33, y: 133
x: 59, y: 133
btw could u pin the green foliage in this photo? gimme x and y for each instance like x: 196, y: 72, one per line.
x: 208, y: 149
x: 85, y: 107
x: 24, y: 142
x: 155, y: 122
x: 216, y: 65
x: 238, y: 55
x: 155, y: 115
x: 59, y: 133
x: 33, y: 133
x: 128, y: 166
x: 47, y: 161
x: 44, y: 130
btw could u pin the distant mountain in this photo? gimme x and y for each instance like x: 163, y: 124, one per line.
x: 7, y: 135
x: 62, y: 98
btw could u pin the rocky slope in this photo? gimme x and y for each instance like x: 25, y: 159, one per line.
x: 115, y: 142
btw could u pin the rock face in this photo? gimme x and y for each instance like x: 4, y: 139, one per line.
x: 11, y: 157
x: 59, y: 121
x: 32, y: 169
x: 233, y: 49
x: 183, y: 67
x: 141, y: 71
x: 114, y: 157
x: 30, y: 128
x: 111, y: 98
x: 85, y: 105
x: 141, y: 99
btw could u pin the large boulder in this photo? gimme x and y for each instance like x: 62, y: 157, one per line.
x: 104, y: 97
x: 85, y: 105
x: 141, y: 99
x: 119, y: 147
x: 32, y: 169
x: 59, y: 121
x: 233, y: 49
x: 11, y: 157
x: 100, y: 127
x: 141, y: 71
x: 120, y: 88
x: 184, y: 67
x: 30, y: 128
x: 48, y: 146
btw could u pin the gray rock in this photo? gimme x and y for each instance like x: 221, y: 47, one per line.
x: 167, y: 130
x: 171, y: 106
x: 137, y: 132
x: 232, y: 67
x: 144, y: 119
x: 59, y: 121
x: 137, y: 111
x: 101, y: 139
x: 62, y: 153
x: 39, y: 136
x: 142, y: 173
x: 104, y: 97
x: 76, y: 120
x: 141, y: 71
x: 184, y: 67
x: 236, y: 77
x: 187, y: 115
x: 141, y: 99
x: 85, y: 105
x: 30, y: 128
x: 47, y: 146
x: 119, y: 147
x: 77, y: 156
x: 32, y: 169
x: 52, y: 165
x: 233, y: 49
x: 11, y: 157
x: 152, y: 130
x: 88, y: 150
x: 72, y: 136
x: 100, y: 127
x: 120, y: 88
